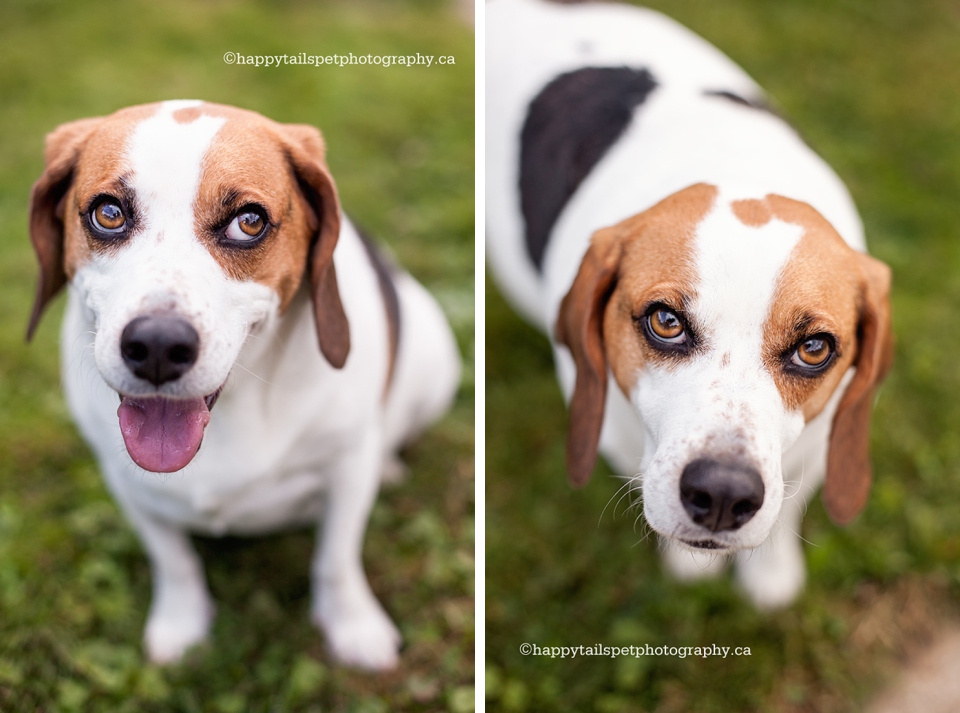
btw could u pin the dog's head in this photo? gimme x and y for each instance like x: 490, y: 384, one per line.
x: 184, y: 226
x: 728, y: 325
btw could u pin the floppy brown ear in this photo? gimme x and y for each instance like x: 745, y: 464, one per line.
x: 580, y: 328
x: 63, y: 148
x: 849, y: 474
x: 306, y: 153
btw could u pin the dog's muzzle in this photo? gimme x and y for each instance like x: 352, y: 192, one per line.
x: 162, y: 434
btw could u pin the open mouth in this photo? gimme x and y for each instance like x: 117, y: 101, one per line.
x: 704, y: 544
x: 162, y: 434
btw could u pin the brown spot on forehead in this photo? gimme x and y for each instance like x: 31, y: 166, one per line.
x: 818, y: 291
x: 751, y: 212
x: 187, y: 115
x: 656, y: 265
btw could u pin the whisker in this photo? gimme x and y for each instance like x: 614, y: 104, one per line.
x: 600, y: 519
x: 253, y: 374
x: 801, y: 537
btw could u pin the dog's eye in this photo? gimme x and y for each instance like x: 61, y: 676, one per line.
x: 666, y: 326
x: 108, y: 217
x: 248, y: 225
x: 813, y: 353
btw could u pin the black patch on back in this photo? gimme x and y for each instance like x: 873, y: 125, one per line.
x: 755, y: 103
x: 570, y: 125
x: 385, y: 270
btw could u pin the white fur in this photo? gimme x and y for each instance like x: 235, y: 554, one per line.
x: 678, y: 137
x: 290, y: 439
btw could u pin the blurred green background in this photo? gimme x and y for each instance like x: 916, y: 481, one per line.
x: 874, y: 87
x: 74, y: 583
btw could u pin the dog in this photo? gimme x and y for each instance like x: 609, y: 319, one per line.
x: 719, y: 331
x: 206, y: 257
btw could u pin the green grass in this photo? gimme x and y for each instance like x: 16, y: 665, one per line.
x: 872, y: 86
x: 74, y: 583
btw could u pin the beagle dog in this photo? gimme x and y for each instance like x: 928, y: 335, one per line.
x: 719, y: 330
x: 205, y: 257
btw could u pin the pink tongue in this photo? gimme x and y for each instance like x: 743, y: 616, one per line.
x: 162, y: 435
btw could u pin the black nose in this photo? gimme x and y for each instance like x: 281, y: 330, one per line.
x: 159, y: 348
x: 720, y: 496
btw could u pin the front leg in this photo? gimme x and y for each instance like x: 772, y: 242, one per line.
x: 358, y: 631
x: 181, y: 610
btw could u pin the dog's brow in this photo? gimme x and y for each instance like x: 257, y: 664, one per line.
x: 230, y: 197
x: 803, y: 322
x: 122, y: 186
x: 807, y: 323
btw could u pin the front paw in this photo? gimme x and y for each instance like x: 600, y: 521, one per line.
x: 175, y: 623
x: 359, y: 632
x: 772, y: 577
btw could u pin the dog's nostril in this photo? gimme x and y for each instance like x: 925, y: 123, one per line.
x: 135, y: 351
x: 745, y: 509
x: 701, y: 500
x: 720, y: 496
x: 182, y: 354
x: 159, y: 348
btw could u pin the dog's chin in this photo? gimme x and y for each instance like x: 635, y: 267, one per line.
x: 715, y: 545
x: 708, y: 544
x: 163, y: 434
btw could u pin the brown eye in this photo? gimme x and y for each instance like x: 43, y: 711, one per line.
x: 108, y: 217
x: 666, y: 326
x: 247, y: 226
x: 813, y: 353
x: 250, y: 223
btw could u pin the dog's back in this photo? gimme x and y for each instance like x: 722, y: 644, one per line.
x: 595, y: 112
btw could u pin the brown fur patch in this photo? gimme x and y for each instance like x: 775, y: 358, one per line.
x: 751, y: 212
x: 187, y: 115
x: 818, y: 291
x: 656, y: 265
x: 243, y: 166
x: 99, y: 169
